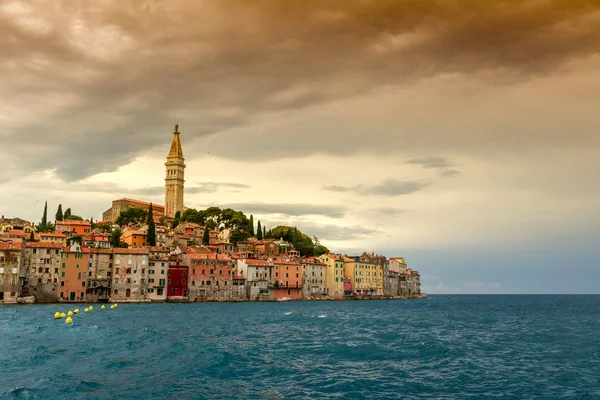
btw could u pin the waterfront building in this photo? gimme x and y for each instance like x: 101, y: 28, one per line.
x: 211, y: 276
x: 177, y: 279
x: 259, y: 277
x: 334, y: 274
x: 100, y: 270
x: 130, y: 276
x: 158, y: 268
x: 288, y: 279
x: 174, y: 181
x: 41, y: 261
x: 11, y: 274
x: 73, y: 272
x: 238, y: 289
x: 313, y: 279
x: 397, y: 265
x: 125, y: 203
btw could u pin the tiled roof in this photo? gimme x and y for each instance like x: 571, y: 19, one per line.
x: 140, y: 250
x: 141, y: 202
x: 158, y: 249
x: 84, y: 250
x: 73, y: 222
x: 48, y: 245
x: 57, y: 235
x: 10, y: 246
x: 196, y: 256
x: 238, y: 278
x: 256, y: 263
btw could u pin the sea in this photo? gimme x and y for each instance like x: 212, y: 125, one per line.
x: 443, y: 347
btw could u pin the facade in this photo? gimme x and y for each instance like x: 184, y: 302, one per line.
x: 365, y: 273
x: 259, y: 278
x: 73, y: 273
x: 334, y: 274
x: 238, y: 289
x: 397, y: 265
x: 177, y: 279
x: 288, y: 279
x: 174, y: 181
x: 59, y: 238
x: 100, y: 271
x: 11, y: 275
x: 313, y: 278
x: 16, y: 224
x: 70, y: 227
x: 97, y: 241
x: 134, y: 238
x: 124, y: 204
x: 42, y: 268
x: 158, y: 268
x: 211, y: 276
x: 130, y: 278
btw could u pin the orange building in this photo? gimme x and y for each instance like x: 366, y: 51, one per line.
x: 288, y: 279
x: 73, y: 227
x: 74, y: 264
x: 210, y: 276
x: 134, y: 238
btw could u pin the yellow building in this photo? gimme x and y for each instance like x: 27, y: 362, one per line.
x: 334, y: 282
x: 365, y: 273
x: 60, y: 238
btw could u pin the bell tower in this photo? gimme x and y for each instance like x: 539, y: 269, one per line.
x: 174, y: 180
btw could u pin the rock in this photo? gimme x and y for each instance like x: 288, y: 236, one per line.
x: 26, y: 300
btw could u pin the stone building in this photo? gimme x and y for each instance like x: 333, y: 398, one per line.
x: 259, y: 278
x: 210, y: 277
x: 42, y: 268
x: 11, y: 273
x: 124, y: 204
x: 16, y: 224
x: 100, y: 270
x: 401, y: 281
x: 238, y: 290
x: 130, y: 278
x: 174, y: 181
x: 158, y: 268
x: 313, y: 277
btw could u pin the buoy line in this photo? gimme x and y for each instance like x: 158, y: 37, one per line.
x: 69, y: 315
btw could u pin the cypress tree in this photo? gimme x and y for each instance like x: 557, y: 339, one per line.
x: 45, y: 215
x: 151, y: 228
x: 259, y: 232
x: 67, y: 214
x: 31, y: 237
x: 206, y: 236
x: 264, y: 232
x: 251, y: 225
x: 59, y: 213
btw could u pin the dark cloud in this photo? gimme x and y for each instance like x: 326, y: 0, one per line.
x: 89, y: 87
x: 449, y: 173
x: 389, y: 187
x: 431, y: 162
x: 289, y: 209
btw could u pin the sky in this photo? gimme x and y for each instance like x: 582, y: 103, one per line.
x: 462, y: 135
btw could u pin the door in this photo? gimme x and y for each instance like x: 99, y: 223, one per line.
x: 128, y: 293
x: 72, y: 296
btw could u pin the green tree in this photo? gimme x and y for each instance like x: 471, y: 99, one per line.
x: 67, y: 214
x: 59, y: 213
x: 150, y: 215
x: 45, y: 215
x: 115, y: 238
x: 105, y: 227
x: 251, y: 225
x: 320, y: 250
x: 151, y: 228
x: 74, y: 239
x: 31, y: 237
x: 132, y: 216
x: 264, y: 232
x: 92, y: 221
x: 74, y: 217
x: 206, y: 237
x: 259, y: 232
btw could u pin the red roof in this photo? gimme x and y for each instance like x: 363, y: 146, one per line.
x: 83, y: 250
x: 199, y: 256
x: 140, y: 250
x: 73, y: 222
x: 238, y: 278
x: 142, y: 202
x: 256, y: 263
x: 58, y: 235
x: 44, y: 245
x: 10, y: 246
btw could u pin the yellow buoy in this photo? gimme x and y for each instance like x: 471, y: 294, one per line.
x: 57, y: 315
x: 116, y: 305
x: 86, y: 310
x: 102, y: 307
x: 76, y: 311
x: 69, y: 320
x: 70, y: 314
x: 62, y: 315
x: 91, y: 308
x: 113, y: 306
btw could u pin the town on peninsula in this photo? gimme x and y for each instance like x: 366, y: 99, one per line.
x: 144, y: 252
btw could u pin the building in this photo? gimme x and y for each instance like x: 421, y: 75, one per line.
x: 97, y: 241
x: 42, y: 263
x: 58, y: 238
x: 259, y: 278
x: 365, y: 273
x: 134, y: 238
x: 238, y: 289
x: 16, y: 224
x: 11, y: 274
x: 130, y: 276
x: 124, y: 204
x: 177, y: 279
x: 313, y: 277
x: 222, y: 248
x: 397, y: 265
x: 100, y: 271
x: 267, y: 247
x: 158, y: 268
x: 334, y: 274
x: 174, y: 181
x: 211, y: 276
x: 73, y: 272
x: 288, y: 279
x: 73, y: 227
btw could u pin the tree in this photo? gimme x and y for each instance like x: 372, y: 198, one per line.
x: 132, y: 216
x: 74, y: 217
x: 175, y: 223
x: 251, y: 225
x: 59, y: 213
x: 67, y: 214
x: 45, y: 215
x: 74, y: 239
x: 115, y: 239
x: 320, y: 250
x: 151, y: 228
x: 150, y: 215
x: 264, y: 232
x: 259, y: 232
x: 92, y: 221
x: 31, y: 237
x: 206, y: 237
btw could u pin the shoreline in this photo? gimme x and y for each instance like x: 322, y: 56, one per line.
x: 421, y: 296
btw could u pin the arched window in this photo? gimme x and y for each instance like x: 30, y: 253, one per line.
x: 116, y: 291
x: 128, y: 293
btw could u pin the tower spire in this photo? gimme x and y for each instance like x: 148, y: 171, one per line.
x: 176, y: 144
x: 174, y: 180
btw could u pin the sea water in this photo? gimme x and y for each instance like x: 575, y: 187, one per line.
x: 444, y: 347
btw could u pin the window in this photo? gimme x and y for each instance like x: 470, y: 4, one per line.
x: 62, y: 283
x: 159, y: 292
x: 116, y: 270
x: 183, y: 281
x: 63, y: 273
x: 83, y: 284
x: 183, y: 273
x: 64, y: 265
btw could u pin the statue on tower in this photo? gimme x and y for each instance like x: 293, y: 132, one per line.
x: 176, y: 127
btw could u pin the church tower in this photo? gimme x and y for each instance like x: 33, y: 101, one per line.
x: 174, y: 180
